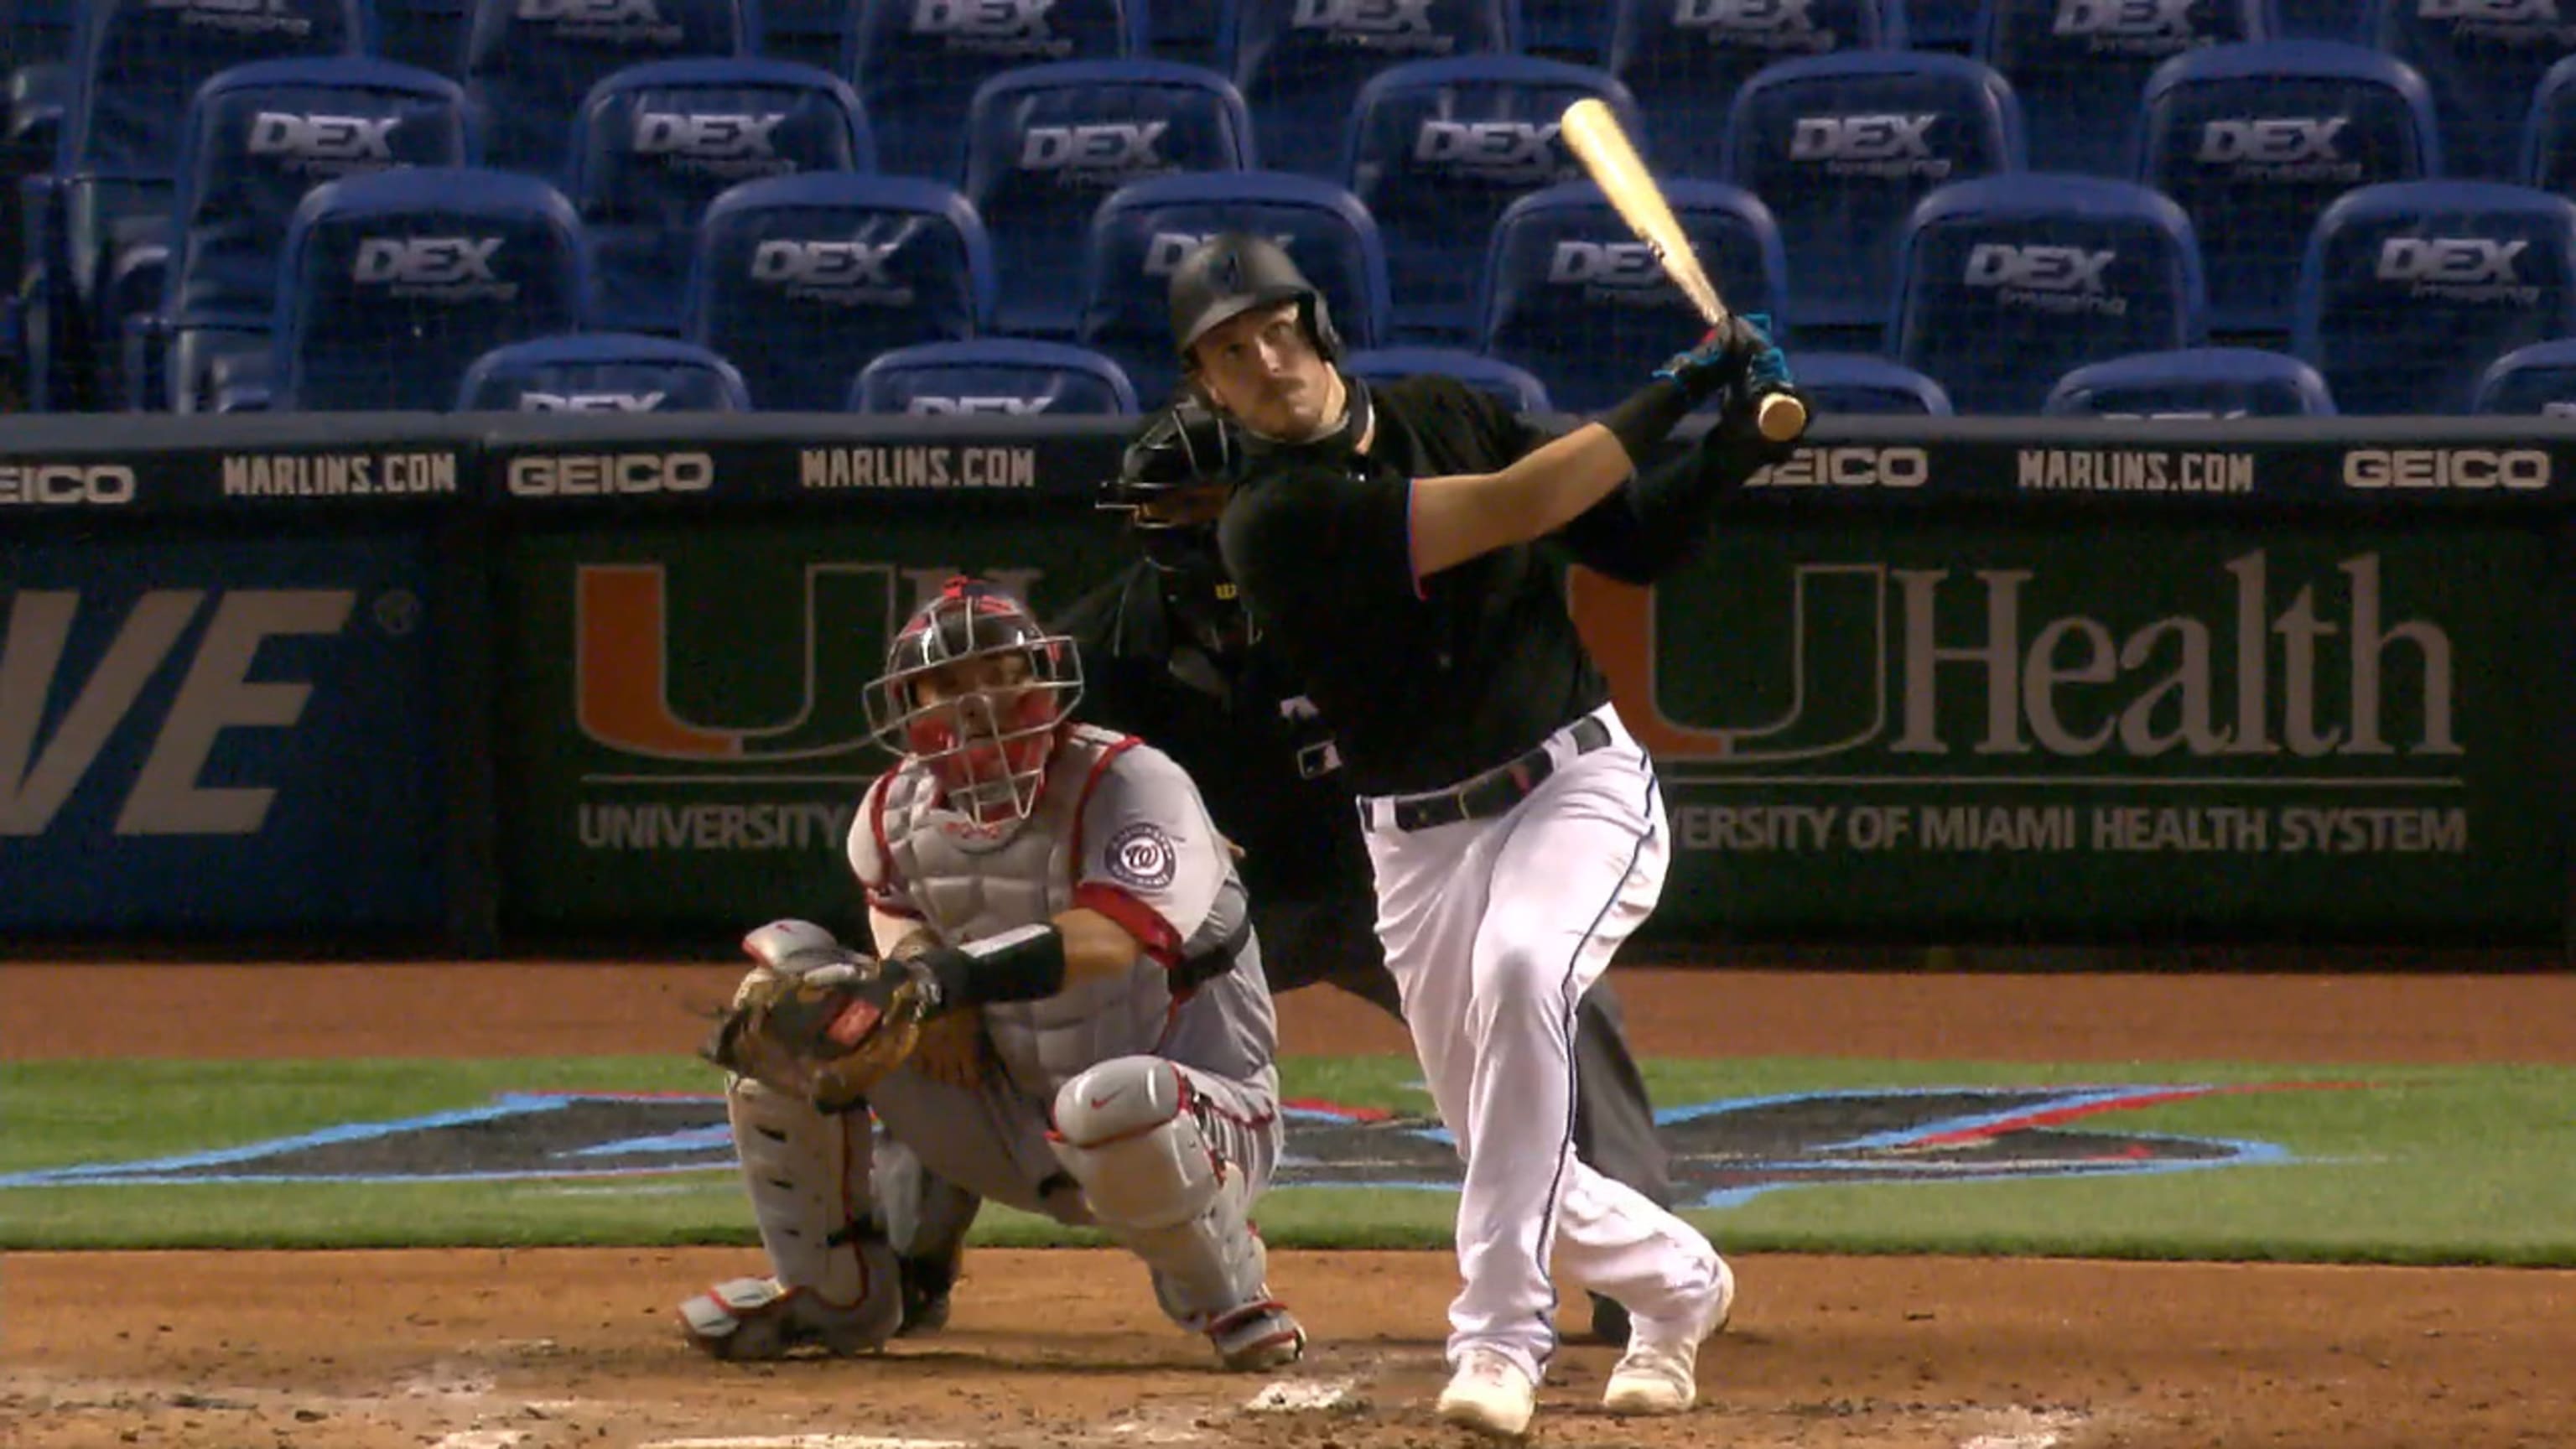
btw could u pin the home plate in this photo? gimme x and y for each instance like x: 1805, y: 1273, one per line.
x: 808, y: 1441
x: 1288, y: 1396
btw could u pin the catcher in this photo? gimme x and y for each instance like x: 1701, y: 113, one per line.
x: 1064, y: 1010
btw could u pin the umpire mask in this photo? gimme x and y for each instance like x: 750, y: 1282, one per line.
x: 1172, y: 485
x: 977, y: 693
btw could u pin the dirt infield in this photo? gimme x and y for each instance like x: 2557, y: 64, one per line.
x: 553, y: 1349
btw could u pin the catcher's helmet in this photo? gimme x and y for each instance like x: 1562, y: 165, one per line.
x: 999, y: 689
x: 1233, y: 272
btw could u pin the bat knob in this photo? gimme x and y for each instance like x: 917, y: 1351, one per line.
x: 1780, y: 417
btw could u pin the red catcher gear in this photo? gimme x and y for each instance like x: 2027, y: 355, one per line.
x: 990, y: 732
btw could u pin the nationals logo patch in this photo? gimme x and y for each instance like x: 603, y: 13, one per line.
x: 1141, y: 855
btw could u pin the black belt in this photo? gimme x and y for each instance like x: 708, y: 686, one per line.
x: 1496, y: 790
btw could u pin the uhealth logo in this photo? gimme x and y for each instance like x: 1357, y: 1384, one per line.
x: 1723, y: 1152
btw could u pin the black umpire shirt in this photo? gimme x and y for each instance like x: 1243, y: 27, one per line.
x: 1427, y: 682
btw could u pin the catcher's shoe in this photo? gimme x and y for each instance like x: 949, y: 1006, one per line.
x: 927, y: 1283
x: 1262, y: 1335
x: 1659, y: 1374
x: 751, y: 1319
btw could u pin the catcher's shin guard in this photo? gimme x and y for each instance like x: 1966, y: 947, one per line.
x: 834, y: 1282
x: 1125, y: 1131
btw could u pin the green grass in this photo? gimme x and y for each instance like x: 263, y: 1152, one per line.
x: 2413, y: 1165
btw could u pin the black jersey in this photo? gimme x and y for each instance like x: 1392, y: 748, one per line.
x: 1426, y: 681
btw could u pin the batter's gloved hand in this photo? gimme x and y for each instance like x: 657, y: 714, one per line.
x: 1726, y: 355
x: 819, y: 1021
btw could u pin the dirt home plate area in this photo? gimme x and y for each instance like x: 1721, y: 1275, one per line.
x: 550, y: 1349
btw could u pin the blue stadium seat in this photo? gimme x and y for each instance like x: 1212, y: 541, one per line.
x: 133, y: 68
x: 2483, y: 59
x: 393, y: 283
x: 1517, y: 387
x: 2548, y: 158
x: 1847, y: 382
x: 2534, y: 381
x: 1046, y: 142
x: 429, y: 34
x: 2007, y: 282
x: 655, y: 143
x: 803, y: 280
x: 258, y: 138
x: 1438, y: 148
x: 1574, y: 31
x: 1301, y: 63
x: 2254, y: 141
x: 1943, y: 27
x: 602, y: 372
x: 2193, y: 382
x: 1143, y: 229
x: 2080, y: 67
x: 1008, y: 376
x: 2350, y: 21
x: 2410, y: 288
x: 1842, y: 146
x: 1685, y: 61
x: 529, y: 64
x: 918, y: 65
x: 808, y: 32
x: 1187, y: 31
x: 1572, y: 295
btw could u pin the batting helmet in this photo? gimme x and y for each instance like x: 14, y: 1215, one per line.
x: 1230, y: 274
x: 1000, y: 690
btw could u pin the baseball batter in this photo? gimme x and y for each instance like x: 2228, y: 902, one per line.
x: 1385, y: 542
x: 1064, y: 1010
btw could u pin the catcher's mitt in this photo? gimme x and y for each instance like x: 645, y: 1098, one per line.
x: 825, y: 1024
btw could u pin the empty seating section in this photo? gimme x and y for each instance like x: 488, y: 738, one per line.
x: 2133, y: 208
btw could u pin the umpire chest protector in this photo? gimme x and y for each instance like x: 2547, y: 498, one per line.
x: 971, y: 884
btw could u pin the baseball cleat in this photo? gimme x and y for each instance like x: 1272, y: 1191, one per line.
x: 927, y: 1283
x: 752, y: 1319
x: 1260, y: 1336
x: 1659, y: 1374
x: 1490, y: 1395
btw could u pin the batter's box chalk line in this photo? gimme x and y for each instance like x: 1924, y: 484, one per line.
x: 2026, y: 1429
x: 1306, y: 1396
x: 807, y: 1441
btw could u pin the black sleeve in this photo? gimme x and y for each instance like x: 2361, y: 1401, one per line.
x: 1657, y: 520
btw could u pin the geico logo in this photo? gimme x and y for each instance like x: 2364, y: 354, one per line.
x: 2037, y: 268
x: 2450, y: 260
x: 1861, y: 138
x: 65, y: 483
x: 1846, y: 468
x: 1164, y: 250
x: 1374, y: 17
x: 823, y: 263
x: 2525, y: 10
x: 2272, y: 141
x: 589, y: 11
x: 426, y: 260
x: 711, y: 137
x: 2518, y: 469
x: 2164, y: 19
x: 322, y: 138
x: 591, y: 402
x: 1514, y: 145
x: 1102, y: 146
x: 1753, y: 15
x: 985, y: 19
x: 1604, y: 264
x: 573, y: 475
x: 927, y: 406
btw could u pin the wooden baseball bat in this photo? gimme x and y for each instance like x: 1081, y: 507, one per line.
x: 1595, y: 136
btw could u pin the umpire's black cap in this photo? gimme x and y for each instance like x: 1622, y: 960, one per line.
x: 1233, y: 272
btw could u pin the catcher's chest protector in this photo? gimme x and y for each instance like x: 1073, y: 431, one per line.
x: 970, y: 888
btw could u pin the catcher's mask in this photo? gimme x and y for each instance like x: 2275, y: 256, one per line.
x: 977, y: 692
x: 1230, y: 274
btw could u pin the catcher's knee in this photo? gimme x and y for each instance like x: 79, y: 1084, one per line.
x: 1125, y: 1131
